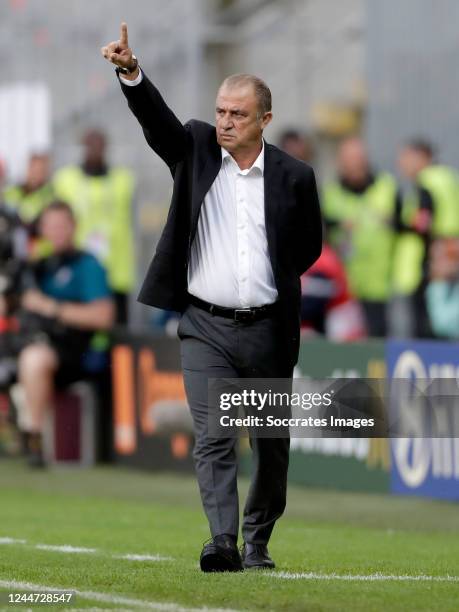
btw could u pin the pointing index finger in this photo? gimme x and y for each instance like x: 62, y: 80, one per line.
x: 124, y: 34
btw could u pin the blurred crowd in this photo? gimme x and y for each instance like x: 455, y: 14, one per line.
x: 66, y: 272
x: 390, y: 261
x: 389, y: 266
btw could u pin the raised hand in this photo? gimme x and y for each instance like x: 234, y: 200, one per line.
x: 118, y: 52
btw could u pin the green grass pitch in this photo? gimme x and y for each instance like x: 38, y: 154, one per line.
x: 361, y: 551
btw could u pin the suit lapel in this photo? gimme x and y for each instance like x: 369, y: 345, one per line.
x: 205, y: 172
x: 272, y: 183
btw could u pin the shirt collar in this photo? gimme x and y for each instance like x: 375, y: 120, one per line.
x: 258, y: 163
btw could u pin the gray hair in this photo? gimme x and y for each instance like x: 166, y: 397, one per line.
x: 262, y: 91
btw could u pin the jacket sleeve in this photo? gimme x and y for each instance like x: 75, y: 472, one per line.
x: 163, y: 131
x: 308, y: 243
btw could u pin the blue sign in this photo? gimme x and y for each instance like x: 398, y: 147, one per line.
x: 424, y: 466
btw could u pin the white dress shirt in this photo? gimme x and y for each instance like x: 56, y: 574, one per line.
x: 229, y: 263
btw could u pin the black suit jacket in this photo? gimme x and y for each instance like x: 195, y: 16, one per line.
x: 292, y: 213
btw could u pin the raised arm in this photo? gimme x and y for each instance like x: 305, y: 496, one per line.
x: 163, y: 131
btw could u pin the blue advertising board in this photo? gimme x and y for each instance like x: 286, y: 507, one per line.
x: 424, y: 466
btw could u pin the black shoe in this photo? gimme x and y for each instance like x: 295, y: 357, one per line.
x: 221, y: 555
x: 256, y: 556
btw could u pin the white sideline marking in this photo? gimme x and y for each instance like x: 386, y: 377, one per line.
x: 143, y: 557
x: 111, y: 599
x: 66, y: 548
x: 12, y: 541
x: 362, y: 577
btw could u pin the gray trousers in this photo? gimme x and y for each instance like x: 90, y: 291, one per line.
x: 216, y: 347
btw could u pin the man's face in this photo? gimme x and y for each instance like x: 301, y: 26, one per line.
x: 411, y: 162
x: 58, y: 227
x: 94, y: 147
x: 297, y: 147
x: 353, y: 162
x: 38, y: 171
x: 238, y: 121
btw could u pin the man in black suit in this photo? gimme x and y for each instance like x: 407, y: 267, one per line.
x: 243, y: 225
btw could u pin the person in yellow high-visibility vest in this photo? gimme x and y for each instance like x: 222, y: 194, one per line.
x: 359, y: 209
x: 35, y: 193
x: 102, y: 197
x: 429, y: 211
x: 31, y: 197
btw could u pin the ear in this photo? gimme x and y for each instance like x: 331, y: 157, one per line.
x: 265, y: 120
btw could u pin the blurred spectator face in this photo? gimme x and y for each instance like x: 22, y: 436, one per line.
x: 238, y: 123
x: 95, y: 144
x: 444, y: 259
x: 37, y: 171
x: 297, y: 146
x: 411, y: 161
x: 58, y: 227
x: 352, y: 162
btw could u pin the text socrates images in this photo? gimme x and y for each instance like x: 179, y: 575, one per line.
x: 343, y: 407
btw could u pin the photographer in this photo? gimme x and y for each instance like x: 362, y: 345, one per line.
x: 70, y: 301
x: 13, y: 254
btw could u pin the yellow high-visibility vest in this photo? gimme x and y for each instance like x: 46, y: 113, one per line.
x: 442, y: 183
x: 366, y: 247
x: 28, y: 206
x: 103, y: 209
